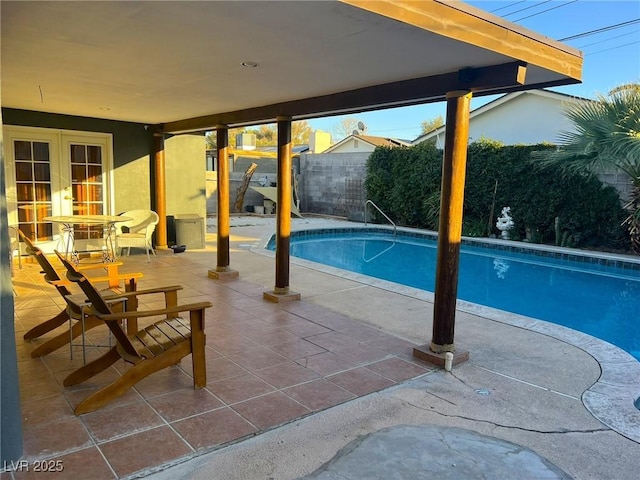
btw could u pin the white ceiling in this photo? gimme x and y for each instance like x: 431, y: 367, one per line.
x: 155, y: 62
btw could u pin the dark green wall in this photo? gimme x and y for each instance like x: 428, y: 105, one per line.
x: 130, y: 140
x: 133, y: 165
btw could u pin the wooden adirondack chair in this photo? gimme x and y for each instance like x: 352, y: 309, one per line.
x: 113, y: 279
x: 160, y: 345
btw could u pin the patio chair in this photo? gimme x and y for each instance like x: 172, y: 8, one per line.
x: 113, y: 279
x: 157, y: 346
x: 14, y: 246
x: 137, y: 232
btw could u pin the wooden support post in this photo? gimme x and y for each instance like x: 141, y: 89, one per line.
x: 450, y: 231
x: 283, y: 215
x: 222, y: 271
x: 160, y: 191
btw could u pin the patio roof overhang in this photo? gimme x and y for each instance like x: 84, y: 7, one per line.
x: 179, y: 65
x: 195, y: 65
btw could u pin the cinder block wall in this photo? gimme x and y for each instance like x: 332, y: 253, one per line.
x: 324, y: 182
x: 621, y: 181
x: 325, y: 188
x: 327, y: 184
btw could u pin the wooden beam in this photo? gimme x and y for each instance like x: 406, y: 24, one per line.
x: 408, y: 92
x: 222, y: 144
x: 281, y: 292
x: 283, y: 206
x: 222, y: 270
x: 160, y: 190
x: 450, y: 228
x: 465, y: 23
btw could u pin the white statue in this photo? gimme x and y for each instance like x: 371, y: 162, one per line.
x: 505, y: 223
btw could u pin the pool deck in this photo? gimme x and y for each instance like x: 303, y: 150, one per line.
x: 562, y: 394
x: 545, y: 400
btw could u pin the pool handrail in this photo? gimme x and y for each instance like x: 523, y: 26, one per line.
x: 383, y: 214
x: 364, y: 251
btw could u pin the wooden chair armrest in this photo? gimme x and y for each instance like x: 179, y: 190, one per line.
x: 150, y: 313
x: 124, y: 276
x: 92, y: 266
x: 171, y: 288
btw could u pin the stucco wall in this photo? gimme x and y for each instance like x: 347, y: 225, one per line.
x: 527, y: 119
x: 353, y: 145
x: 185, y: 172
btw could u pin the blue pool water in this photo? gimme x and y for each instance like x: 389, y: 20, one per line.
x: 603, y: 301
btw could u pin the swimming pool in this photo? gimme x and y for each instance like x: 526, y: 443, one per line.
x: 590, y: 294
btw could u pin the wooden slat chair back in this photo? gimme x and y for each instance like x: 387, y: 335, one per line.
x: 72, y: 311
x: 153, y: 348
x: 98, y: 305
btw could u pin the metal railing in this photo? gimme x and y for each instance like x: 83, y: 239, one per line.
x: 364, y: 251
x: 381, y: 212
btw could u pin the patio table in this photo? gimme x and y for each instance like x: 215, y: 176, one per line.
x: 108, y: 223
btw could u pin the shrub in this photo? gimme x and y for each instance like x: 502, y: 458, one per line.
x: 405, y: 184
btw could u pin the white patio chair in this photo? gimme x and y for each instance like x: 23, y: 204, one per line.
x: 137, y: 232
x: 14, y: 247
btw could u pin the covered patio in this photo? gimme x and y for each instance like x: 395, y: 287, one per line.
x: 195, y: 78
x: 267, y: 364
x: 291, y: 384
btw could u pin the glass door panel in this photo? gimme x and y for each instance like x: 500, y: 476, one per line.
x: 32, y: 170
x: 54, y: 172
x: 87, y: 179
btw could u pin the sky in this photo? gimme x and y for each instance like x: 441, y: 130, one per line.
x: 611, y: 57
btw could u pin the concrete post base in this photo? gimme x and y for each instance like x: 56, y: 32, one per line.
x: 281, y: 297
x: 225, y: 276
x: 423, y: 352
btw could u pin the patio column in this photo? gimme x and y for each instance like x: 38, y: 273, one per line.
x: 10, y: 412
x: 160, y: 191
x: 222, y: 271
x: 281, y: 291
x: 449, y: 232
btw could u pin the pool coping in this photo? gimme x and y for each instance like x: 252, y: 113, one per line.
x: 625, y: 262
x: 611, y: 399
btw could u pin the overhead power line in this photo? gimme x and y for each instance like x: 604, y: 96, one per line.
x: 608, y: 39
x: 600, y: 30
x: 526, y: 8
x: 614, y: 48
x: 547, y: 10
x: 507, y: 6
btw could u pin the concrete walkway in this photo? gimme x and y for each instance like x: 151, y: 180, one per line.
x: 516, y: 409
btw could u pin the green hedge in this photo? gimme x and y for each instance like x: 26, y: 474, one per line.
x: 405, y: 184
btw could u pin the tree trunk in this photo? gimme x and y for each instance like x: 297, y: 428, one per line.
x: 632, y: 222
x: 242, y: 189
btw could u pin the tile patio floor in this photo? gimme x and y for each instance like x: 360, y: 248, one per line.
x: 267, y: 364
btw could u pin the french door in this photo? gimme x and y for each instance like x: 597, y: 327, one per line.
x: 57, y: 173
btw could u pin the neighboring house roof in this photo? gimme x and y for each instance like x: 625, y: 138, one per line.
x: 371, y: 140
x: 503, y: 101
x: 274, y: 149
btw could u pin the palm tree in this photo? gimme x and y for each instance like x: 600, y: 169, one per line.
x: 607, y: 134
